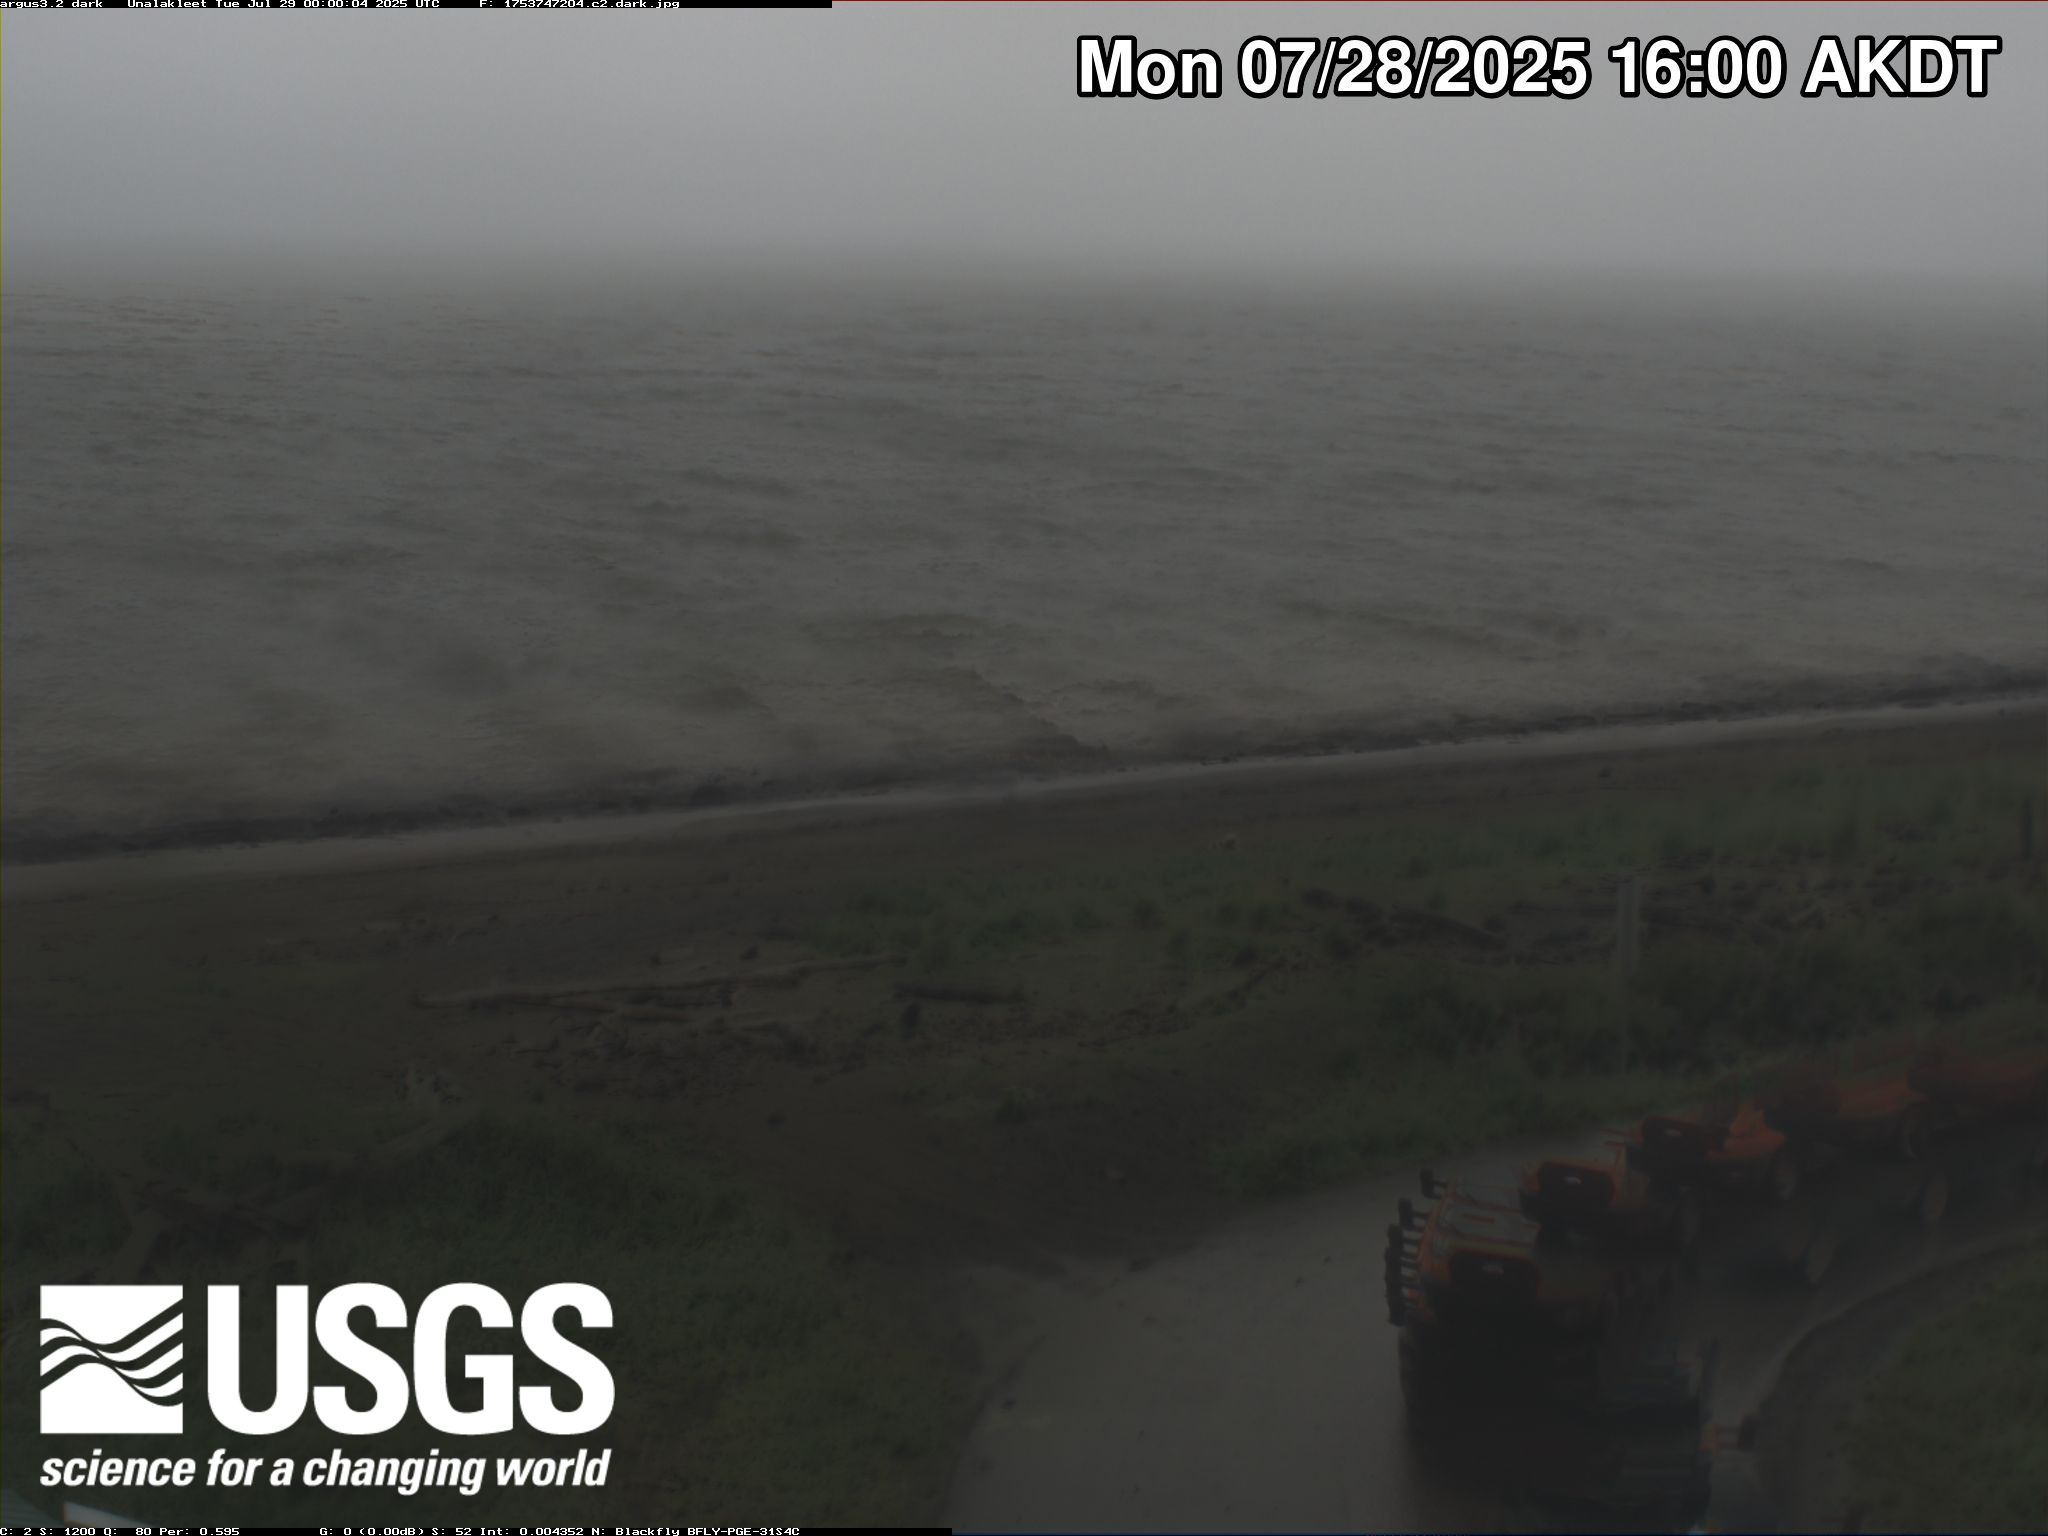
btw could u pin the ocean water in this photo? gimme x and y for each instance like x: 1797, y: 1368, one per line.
x: 278, y: 561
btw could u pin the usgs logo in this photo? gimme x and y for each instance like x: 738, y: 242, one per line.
x: 113, y: 1360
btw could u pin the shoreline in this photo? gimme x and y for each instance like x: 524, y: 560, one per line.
x: 310, y: 849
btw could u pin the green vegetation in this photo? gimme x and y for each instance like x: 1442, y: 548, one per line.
x: 1954, y: 1437
x: 1776, y: 918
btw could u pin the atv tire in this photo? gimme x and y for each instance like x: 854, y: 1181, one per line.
x: 1782, y: 1177
x: 1910, y: 1136
x: 1930, y: 1200
x: 1688, y: 1217
x: 1818, y: 1258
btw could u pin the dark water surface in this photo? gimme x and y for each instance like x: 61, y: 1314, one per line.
x: 275, y: 560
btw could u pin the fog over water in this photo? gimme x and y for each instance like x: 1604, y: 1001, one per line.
x: 473, y: 477
x: 880, y: 134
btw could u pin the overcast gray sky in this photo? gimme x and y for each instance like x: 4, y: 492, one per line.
x: 944, y: 131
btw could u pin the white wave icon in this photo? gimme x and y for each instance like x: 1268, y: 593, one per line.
x: 113, y: 1359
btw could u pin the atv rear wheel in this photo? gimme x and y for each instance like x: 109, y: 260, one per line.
x: 1781, y: 1179
x: 1686, y: 1220
x: 1614, y: 1306
x: 1791, y: 1235
x: 2034, y: 1169
x: 1818, y: 1258
x: 1912, y: 1134
x: 1930, y: 1201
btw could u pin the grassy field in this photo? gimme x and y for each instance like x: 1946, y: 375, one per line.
x: 1441, y: 979
x: 1955, y: 1436
x: 868, y: 1055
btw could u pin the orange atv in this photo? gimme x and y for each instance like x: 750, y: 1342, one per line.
x: 1863, y: 1098
x: 1607, y: 1194
x: 1475, y: 1259
x: 1730, y: 1145
x: 1502, y: 1325
x: 2008, y: 1080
